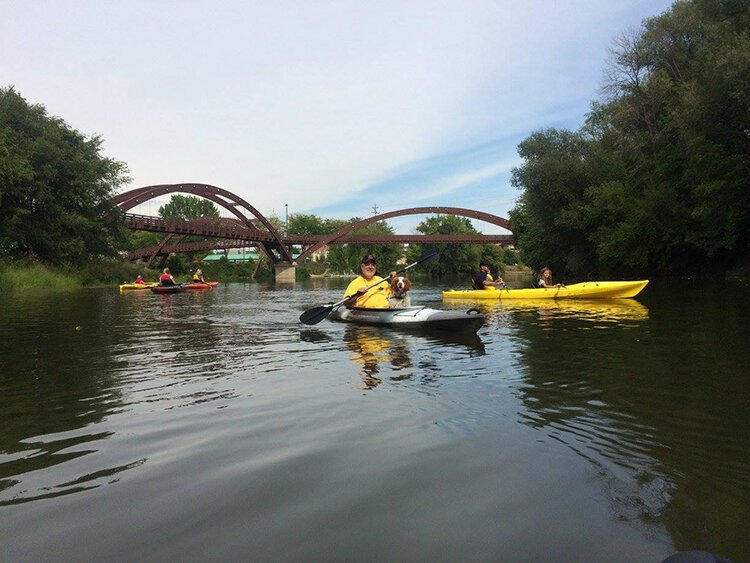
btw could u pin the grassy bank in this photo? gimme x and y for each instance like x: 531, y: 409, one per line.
x: 29, y: 274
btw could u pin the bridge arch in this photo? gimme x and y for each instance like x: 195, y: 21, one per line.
x: 471, y: 213
x: 226, y: 199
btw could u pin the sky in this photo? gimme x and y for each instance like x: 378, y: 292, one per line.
x: 335, y: 108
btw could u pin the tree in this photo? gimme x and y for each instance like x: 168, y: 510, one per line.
x: 454, y: 258
x: 188, y: 207
x: 55, y: 187
x: 548, y: 220
x: 347, y: 257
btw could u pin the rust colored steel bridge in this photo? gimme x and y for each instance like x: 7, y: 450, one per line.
x: 251, y: 228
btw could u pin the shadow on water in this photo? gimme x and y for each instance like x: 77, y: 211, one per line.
x: 666, y: 432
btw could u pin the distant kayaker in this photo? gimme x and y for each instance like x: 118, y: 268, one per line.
x: 166, y: 278
x: 139, y: 280
x: 376, y: 297
x: 545, y: 279
x: 198, y: 277
x: 483, y: 278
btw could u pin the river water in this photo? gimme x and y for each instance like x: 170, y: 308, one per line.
x: 214, y: 426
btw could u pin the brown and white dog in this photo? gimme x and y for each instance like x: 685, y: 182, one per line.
x: 400, y: 285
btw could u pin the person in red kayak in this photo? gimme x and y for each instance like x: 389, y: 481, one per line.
x: 166, y: 278
x: 139, y: 280
x: 198, y: 277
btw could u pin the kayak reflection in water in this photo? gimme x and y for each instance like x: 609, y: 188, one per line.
x: 374, y: 298
x: 371, y: 349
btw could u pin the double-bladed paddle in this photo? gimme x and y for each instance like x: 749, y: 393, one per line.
x: 317, y: 314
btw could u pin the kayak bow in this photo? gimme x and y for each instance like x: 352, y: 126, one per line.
x: 133, y: 286
x: 202, y: 285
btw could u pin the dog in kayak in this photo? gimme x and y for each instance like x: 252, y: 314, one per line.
x: 399, y: 297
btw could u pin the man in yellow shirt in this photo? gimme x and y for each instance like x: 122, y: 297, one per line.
x: 376, y: 297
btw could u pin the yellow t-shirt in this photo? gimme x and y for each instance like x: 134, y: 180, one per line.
x: 375, y: 298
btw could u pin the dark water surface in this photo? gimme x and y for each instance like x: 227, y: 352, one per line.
x: 213, y: 426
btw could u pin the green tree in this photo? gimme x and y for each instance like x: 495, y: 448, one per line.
x: 454, y: 258
x: 301, y: 224
x: 548, y: 219
x: 346, y: 257
x: 55, y: 188
x: 187, y: 207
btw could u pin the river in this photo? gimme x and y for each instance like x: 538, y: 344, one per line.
x: 212, y: 425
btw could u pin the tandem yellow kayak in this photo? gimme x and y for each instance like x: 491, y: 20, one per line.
x: 585, y: 290
x: 133, y: 286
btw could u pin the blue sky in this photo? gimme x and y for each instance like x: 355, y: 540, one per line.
x: 331, y: 107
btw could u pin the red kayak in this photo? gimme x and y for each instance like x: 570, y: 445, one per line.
x: 168, y: 288
x: 206, y: 285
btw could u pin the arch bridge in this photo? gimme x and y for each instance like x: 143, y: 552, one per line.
x: 251, y: 228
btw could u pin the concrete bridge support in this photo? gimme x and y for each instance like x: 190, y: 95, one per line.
x: 284, y: 273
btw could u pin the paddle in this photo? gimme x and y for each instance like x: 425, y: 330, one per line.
x: 317, y: 314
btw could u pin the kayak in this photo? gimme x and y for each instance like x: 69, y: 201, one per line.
x: 168, y: 288
x: 131, y: 286
x: 585, y: 290
x: 415, y: 318
x: 206, y: 285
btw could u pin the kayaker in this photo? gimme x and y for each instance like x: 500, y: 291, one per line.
x: 166, y: 278
x: 139, y: 280
x: 545, y: 279
x: 376, y: 297
x: 198, y: 277
x: 483, y: 278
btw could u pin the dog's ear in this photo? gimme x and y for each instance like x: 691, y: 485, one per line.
x: 407, y: 283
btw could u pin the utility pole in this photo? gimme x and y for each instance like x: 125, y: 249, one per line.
x: 375, y: 209
x: 286, y: 224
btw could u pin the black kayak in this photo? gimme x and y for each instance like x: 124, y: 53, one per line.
x: 168, y: 288
x: 414, y: 318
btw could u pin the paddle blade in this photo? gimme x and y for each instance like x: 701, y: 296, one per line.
x: 315, y: 315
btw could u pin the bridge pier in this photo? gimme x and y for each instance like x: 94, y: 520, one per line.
x: 284, y: 273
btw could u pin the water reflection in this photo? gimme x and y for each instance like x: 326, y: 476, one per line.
x: 376, y: 348
x: 653, y: 422
x: 605, y: 310
x: 371, y: 346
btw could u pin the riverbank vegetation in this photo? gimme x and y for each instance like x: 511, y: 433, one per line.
x: 29, y: 273
x: 657, y: 180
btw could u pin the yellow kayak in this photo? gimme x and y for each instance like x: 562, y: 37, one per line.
x: 129, y: 286
x: 585, y: 290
